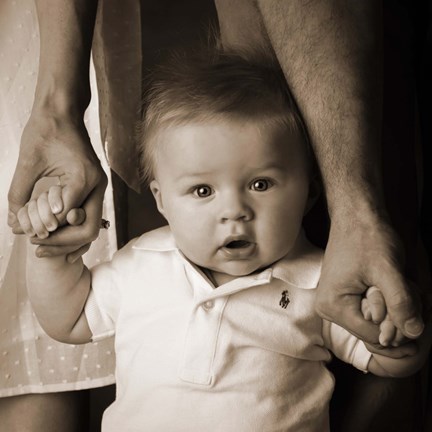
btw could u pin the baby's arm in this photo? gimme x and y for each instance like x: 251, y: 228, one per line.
x: 57, y: 288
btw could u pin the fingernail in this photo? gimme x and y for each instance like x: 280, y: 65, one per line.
x: 382, y: 341
x: 56, y: 209
x: 414, y: 327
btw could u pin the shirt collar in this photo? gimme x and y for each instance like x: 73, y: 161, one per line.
x: 158, y: 240
x: 300, y: 268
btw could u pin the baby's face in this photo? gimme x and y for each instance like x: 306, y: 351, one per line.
x: 233, y: 192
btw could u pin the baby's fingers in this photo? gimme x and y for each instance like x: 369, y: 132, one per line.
x: 36, y: 221
x: 376, y: 303
x: 46, y: 213
x: 387, y: 332
x: 399, y: 339
x: 367, y: 315
x: 55, y: 199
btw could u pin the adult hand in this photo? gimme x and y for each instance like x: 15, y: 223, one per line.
x: 360, y: 254
x: 59, y: 146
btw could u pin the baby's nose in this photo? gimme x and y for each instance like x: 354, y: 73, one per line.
x: 235, y: 209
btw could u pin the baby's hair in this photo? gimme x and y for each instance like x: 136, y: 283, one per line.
x: 214, y: 84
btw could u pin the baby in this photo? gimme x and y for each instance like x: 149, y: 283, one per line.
x: 213, y: 314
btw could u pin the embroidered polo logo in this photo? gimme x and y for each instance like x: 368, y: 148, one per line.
x: 284, y: 301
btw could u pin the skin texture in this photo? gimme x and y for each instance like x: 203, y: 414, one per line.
x: 49, y: 412
x: 335, y: 78
x: 206, y: 190
x: 224, y: 175
x: 55, y: 142
x: 358, y: 217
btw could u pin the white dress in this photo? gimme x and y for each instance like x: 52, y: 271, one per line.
x: 30, y: 361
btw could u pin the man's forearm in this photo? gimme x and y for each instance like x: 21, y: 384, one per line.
x: 66, y: 32
x: 329, y: 51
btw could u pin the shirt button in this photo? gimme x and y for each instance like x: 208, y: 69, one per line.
x: 209, y: 304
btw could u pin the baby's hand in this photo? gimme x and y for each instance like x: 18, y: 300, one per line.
x: 38, y: 216
x: 374, y: 309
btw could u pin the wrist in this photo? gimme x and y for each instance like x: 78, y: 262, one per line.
x: 55, y: 98
x: 351, y: 204
x: 49, y: 119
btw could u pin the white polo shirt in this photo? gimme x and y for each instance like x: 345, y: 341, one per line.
x: 247, y: 356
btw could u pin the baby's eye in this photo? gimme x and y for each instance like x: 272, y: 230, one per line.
x: 203, y: 191
x: 261, y: 185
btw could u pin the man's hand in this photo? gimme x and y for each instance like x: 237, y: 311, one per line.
x: 59, y: 147
x: 358, y: 257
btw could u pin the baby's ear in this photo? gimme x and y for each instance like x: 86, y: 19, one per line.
x: 155, y: 189
x: 315, y: 189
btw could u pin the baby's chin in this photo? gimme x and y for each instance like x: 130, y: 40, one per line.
x: 235, y: 271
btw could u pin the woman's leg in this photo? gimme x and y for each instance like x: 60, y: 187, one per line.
x: 47, y: 412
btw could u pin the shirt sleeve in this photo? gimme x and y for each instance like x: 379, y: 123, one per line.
x: 346, y: 346
x: 105, y: 298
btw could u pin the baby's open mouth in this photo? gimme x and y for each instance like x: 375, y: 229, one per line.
x: 237, y: 244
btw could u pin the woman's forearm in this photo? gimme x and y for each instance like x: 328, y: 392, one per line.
x: 66, y: 32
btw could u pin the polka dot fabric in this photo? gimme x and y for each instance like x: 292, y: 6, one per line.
x: 30, y: 361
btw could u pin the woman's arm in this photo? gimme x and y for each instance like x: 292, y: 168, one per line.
x: 55, y: 141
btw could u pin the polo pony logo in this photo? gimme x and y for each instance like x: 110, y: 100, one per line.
x: 284, y: 301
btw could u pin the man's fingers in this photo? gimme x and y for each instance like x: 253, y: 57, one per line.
x: 346, y: 311
x: 402, y: 305
x: 408, y: 349
x: 358, y: 326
